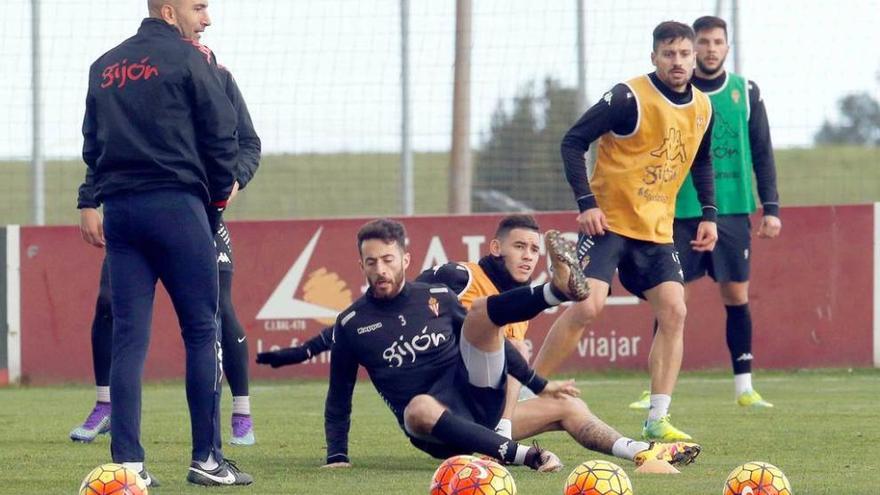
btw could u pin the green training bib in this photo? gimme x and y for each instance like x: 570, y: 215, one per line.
x: 731, y: 154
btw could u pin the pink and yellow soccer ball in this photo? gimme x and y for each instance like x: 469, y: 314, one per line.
x: 444, y: 473
x: 112, y: 479
x: 598, y: 478
x: 482, y: 477
x: 757, y: 478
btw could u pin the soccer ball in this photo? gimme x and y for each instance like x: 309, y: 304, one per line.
x: 112, y: 479
x: 598, y: 478
x: 482, y: 477
x: 444, y: 473
x: 757, y: 478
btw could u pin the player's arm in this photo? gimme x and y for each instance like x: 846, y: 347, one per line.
x: 616, y: 111
x: 91, y: 225
x: 295, y: 355
x: 764, y: 163
x: 216, y: 124
x: 453, y: 275
x: 249, y: 144
x: 337, y: 408
x: 518, y: 367
x: 703, y: 176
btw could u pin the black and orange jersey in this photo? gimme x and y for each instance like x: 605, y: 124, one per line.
x: 471, y: 281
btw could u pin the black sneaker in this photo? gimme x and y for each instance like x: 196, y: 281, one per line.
x: 149, y: 480
x: 227, y: 473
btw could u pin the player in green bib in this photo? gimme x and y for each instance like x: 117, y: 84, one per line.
x: 741, y: 148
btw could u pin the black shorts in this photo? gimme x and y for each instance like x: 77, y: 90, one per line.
x: 642, y: 265
x: 223, y: 243
x: 728, y: 262
x: 483, y: 406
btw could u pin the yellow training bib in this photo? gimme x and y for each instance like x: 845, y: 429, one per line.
x: 637, y: 176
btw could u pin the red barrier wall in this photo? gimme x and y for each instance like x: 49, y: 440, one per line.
x: 811, y: 294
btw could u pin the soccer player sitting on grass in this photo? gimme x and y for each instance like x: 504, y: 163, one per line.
x: 443, y: 373
x: 513, y: 256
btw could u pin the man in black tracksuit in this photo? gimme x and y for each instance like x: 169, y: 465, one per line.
x: 234, y: 343
x: 161, y: 147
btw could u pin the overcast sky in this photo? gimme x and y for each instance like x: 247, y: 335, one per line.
x: 323, y: 75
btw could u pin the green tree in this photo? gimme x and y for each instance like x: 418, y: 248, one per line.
x: 859, y: 122
x: 520, y: 155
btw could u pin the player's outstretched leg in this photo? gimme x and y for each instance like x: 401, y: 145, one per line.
x: 574, y: 417
x: 482, y: 326
x: 568, y: 275
x: 430, y: 424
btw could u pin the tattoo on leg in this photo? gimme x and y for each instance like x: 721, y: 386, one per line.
x: 594, y: 434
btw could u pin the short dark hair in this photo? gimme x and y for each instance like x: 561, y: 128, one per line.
x: 710, y: 22
x: 518, y: 221
x: 386, y: 230
x: 670, y: 31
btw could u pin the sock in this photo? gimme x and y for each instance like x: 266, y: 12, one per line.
x: 241, y: 405
x: 520, y: 304
x: 103, y: 394
x: 134, y: 466
x: 233, y: 339
x: 742, y: 382
x: 659, y: 406
x: 521, y: 452
x: 468, y: 436
x: 627, y: 448
x: 504, y: 428
x: 209, y: 464
x: 739, y: 338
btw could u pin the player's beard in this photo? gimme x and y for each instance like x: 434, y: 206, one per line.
x: 396, y: 285
x: 711, y: 72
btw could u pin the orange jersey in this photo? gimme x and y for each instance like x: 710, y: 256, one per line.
x: 637, y: 176
x: 480, y: 285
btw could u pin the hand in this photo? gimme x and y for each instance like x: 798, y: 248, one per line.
x: 335, y: 465
x: 559, y: 389
x: 234, y: 192
x: 592, y: 222
x: 770, y: 227
x: 707, y: 235
x: 91, y: 227
x: 215, y: 216
x: 277, y: 359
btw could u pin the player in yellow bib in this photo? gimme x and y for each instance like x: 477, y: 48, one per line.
x: 741, y: 148
x: 652, y: 132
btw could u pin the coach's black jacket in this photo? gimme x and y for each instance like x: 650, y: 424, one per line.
x: 157, y: 117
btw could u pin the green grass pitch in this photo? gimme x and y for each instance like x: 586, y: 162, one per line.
x: 823, y: 433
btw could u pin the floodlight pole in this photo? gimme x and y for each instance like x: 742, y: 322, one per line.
x: 38, y: 169
x: 407, y: 196
x: 581, y: 58
x: 737, y: 39
x: 461, y: 167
